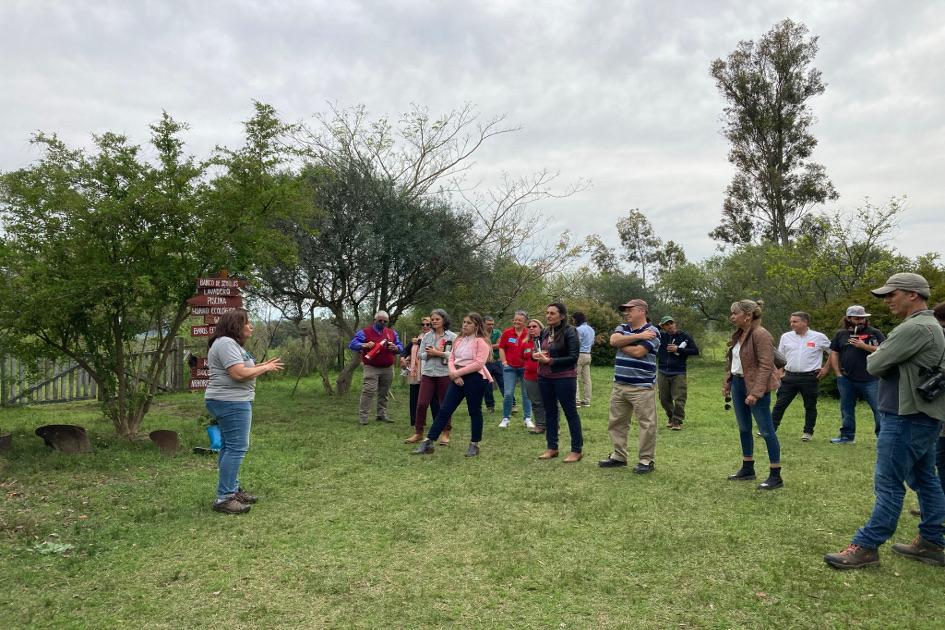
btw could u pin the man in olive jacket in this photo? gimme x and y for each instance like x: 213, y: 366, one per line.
x: 909, y: 429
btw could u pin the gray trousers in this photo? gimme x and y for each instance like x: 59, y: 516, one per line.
x: 538, y: 405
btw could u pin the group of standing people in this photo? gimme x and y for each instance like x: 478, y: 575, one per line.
x: 900, y: 377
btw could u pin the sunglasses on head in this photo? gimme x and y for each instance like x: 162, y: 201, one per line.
x: 426, y: 324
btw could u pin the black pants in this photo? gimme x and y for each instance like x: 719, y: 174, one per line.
x: 563, y: 391
x: 792, y: 384
x: 495, y: 369
x: 471, y: 390
x: 414, y: 395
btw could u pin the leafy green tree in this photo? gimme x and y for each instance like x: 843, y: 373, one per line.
x: 641, y: 245
x: 101, y: 249
x: 767, y: 86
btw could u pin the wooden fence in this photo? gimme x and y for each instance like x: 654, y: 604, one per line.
x: 65, y: 381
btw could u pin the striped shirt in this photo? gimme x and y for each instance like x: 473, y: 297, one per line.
x: 638, y: 372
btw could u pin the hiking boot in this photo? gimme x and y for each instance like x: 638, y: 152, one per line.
x: 677, y: 426
x: 230, y: 506
x: 922, y: 550
x: 853, y: 557
x: 244, y: 497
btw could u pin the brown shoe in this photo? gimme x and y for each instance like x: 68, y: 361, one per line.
x: 413, y: 439
x: 245, y: 497
x: 853, y: 557
x: 922, y: 550
x: 548, y: 454
x: 445, y: 437
x: 536, y: 430
x: 230, y: 506
x: 573, y: 458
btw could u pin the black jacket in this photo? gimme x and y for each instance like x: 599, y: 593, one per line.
x: 674, y: 364
x: 564, y: 350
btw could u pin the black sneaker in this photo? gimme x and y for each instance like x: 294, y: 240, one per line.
x: 611, y: 463
x: 642, y: 469
x: 472, y: 451
x: 230, y: 506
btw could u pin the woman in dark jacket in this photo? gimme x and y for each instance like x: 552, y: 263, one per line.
x: 557, y: 380
x: 749, y: 380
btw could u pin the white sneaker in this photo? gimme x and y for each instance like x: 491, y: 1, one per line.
x: 504, y: 424
x: 806, y: 437
x: 529, y: 424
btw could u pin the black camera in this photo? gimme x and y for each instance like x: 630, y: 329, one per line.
x: 933, y: 386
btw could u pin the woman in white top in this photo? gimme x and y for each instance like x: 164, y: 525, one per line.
x: 749, y: 381
x: 468, y: 379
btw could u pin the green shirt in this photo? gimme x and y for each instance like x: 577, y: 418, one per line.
x: 496, y: 333
x: 916, y: 343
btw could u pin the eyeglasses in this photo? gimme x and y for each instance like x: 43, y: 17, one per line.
x: 728, y: 403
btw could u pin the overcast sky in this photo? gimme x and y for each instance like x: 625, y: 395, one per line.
x: 617, y: 93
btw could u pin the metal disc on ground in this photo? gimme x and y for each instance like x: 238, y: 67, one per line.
x: 67, y: 438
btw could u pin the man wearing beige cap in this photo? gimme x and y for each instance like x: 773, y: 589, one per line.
x: 912, y: 415
x: 850, y: 347
x: 637, y: 343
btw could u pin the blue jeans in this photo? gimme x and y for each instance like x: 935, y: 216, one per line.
x: 905, y: 452
x: 471, y: 389
x: 761, y: 411
x: 563, y: 391
x: 235, y: 419
x: 849, y: 392
x: 511, y: 376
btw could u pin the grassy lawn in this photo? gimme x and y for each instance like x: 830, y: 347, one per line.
x: 352, y: 531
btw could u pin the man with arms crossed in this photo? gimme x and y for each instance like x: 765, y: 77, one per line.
x: 634, y: 392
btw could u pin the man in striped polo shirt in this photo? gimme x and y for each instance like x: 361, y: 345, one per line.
x: 637, y: 342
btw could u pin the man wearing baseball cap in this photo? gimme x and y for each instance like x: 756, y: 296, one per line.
x: 637, y: 342
x: 850, y: 347
x: 676, y: 346
x: 908, y: 431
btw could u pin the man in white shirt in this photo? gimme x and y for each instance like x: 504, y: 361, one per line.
x: 805, y: 350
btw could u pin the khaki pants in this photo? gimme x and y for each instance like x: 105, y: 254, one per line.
x: 625, y: 401
x: 584, y: 378
x: 673, y: 392
x: 376, y: 383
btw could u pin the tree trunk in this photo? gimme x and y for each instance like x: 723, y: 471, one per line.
x: 343, y: 382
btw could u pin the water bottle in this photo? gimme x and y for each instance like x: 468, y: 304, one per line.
x: 447, y: 348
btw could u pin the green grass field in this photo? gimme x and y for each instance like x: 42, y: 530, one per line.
x: 353, y: 531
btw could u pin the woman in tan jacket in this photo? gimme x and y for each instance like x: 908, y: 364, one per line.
x: 749, y: 380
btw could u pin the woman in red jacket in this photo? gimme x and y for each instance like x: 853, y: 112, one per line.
x: 468, y: 379
x: 534, y: 328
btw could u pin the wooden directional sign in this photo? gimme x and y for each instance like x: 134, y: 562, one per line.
x: 201, y: 363
x: 202, y: 331
x: 232, y: 291
x: 215, y: 300
x: 199, y: 383
x: 199, y: 372
x: 217, y: 283
x: 211, y: 319
x: 211, y: 310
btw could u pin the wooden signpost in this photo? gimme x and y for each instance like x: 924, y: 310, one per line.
x: 215, y: 296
